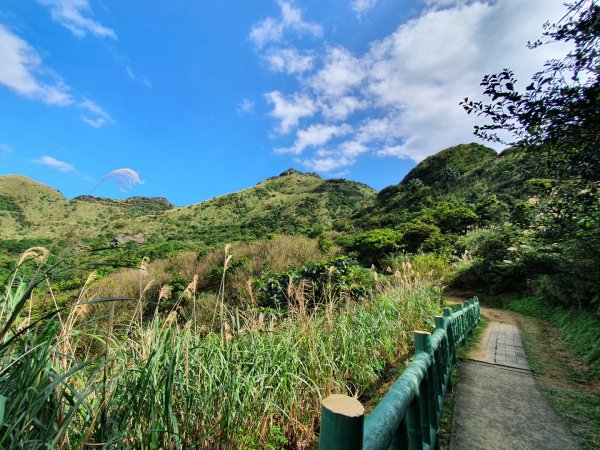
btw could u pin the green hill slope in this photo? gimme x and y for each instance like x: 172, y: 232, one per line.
x: 468, y: 176
x: 291, y: 203
x: 29, y: 208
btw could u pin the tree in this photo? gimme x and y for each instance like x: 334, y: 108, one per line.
x: 557, y: 120
x: 559, y: 112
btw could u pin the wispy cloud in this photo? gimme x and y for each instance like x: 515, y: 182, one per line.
x: 98, y: 117
x: 139, y: 78
x: 401, y: 97
x: 124, y: 178
x: 288, y: 111
x: 246, y: 106
x: 341, y: 72
x: 314, y: 136
x: 21, y: 70
x: 75, y: 16
x: 289, y: 60
x: 54, y: 163
x: 273, y: 29
x: 5, y: 148
x: 362, y: 6
x: 342, y: 155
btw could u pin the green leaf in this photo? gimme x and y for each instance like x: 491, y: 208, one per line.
x: 2, y: 408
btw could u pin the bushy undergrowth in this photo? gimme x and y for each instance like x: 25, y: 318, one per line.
x: 316, y: 282
x: 255, y: 379
x: 248, y: 261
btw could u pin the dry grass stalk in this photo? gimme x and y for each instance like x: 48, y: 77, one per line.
x: 38, y: 254
x: 221, y: 295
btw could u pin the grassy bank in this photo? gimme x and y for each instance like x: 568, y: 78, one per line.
x: 562, y: 349
x: 255, y: 381
x: 580, y: 330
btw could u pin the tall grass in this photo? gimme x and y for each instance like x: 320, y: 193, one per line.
x: 254, y: 380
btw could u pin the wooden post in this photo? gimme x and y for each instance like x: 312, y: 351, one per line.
x: 422, y: 342
x: 342, y: 421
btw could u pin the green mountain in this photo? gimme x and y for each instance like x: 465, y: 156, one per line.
x: 526, y: 224
x: 291, y: 203
x: 467, y: 177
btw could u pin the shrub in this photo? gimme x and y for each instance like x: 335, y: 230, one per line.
x: 454, y: 218
x: 314, y: 283
x: 416, y: 233
x: 373, y: 245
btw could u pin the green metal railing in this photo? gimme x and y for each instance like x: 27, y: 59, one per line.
x: 408, y: 416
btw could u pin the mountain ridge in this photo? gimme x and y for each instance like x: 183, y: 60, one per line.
x: 28, y: 204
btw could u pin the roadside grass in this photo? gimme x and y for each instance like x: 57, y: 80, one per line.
x: 564, y: 378
x: 254, y: 380
x: 462, y: 353
x: 579, y: 330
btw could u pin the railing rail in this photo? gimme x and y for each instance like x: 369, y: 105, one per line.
x: 408, y: 416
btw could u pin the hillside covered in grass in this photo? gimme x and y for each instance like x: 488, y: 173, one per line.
x: 291, y: 203
x: 466, y: 201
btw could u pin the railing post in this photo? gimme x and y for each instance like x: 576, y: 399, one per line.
x: 459, y: 323
x: 445, y: 363
x: 342, y: 421
x: 409, y: 435
x: 448, y: 314
x: 441, y: 357
x: 469, y: 314
x: 427, y: 388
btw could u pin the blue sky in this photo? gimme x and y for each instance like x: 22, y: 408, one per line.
x: 205, y: 98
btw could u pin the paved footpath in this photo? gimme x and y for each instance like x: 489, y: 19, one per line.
x: 498, y: 406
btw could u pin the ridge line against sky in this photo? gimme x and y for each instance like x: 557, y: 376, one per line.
x: 208, y: 99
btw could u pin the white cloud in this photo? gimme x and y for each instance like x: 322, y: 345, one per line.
x: 288, y: 60
x: 290, y: 110
x: 341, y: 72
x: 408, y: 85
x: 21, y: 70
x: 74, y: 15
x: 246, y: 106
x: 98, y: 118
x: 341, y: 174
x: 315, y: 135
x: 344, y: 155
x: 272, y: 30
x: 139, y: 78
x: 54, y: 163
x: 5, y: 148
x: 327, y: 164
x: 342, y: 107
x: 125, y: 178
x: 362, y: 6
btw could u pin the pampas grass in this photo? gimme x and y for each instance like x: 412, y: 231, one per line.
x: 170, y: 382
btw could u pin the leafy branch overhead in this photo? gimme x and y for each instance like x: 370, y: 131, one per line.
x: 560, y: 108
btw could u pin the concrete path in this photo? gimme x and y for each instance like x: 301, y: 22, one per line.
x: 498, y: 405
x: 503, y: 347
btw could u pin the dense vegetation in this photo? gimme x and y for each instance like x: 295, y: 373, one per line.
x: 203, y: 374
